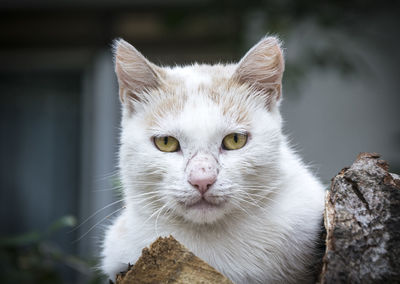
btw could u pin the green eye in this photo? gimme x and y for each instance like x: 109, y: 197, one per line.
x: 234, y: 141
x: 166, y: 143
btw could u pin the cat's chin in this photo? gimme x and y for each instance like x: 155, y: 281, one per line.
x: 204, y: 211
x: 204, y: 204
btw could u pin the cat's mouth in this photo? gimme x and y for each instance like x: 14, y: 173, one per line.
x: 204, y: 204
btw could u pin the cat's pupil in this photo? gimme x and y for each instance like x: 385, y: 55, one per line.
x: 165, y: 140
x: 235, y: 138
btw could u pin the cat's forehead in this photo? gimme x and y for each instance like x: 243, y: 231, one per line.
x: 200, y: 93
x: 193, y: 77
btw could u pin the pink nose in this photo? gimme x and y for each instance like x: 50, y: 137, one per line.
x: 202, y: 181
x: 202, y: 172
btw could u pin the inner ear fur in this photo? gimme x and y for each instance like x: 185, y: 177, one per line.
x: 136, y: 75
x: 262, y: 69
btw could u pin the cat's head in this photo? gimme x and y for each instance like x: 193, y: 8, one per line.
x: 200, y: 142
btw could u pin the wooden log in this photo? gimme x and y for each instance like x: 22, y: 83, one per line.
x: 362, y: 220
x: 167, y: 261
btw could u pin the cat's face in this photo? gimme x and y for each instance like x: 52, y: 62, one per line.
x: 200, y: 142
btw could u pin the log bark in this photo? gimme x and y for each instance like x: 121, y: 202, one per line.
x: 362, y: 221
x: 167, y: 261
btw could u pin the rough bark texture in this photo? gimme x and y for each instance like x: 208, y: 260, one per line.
x: 167, y: 261
x: 362, y: 220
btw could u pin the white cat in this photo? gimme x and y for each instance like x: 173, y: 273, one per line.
x: 203, y: 159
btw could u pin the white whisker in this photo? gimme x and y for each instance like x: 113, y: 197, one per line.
x: 95, y: 213
x: 95, y: 225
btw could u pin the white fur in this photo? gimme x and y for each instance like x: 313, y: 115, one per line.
x: 266, y: 228
x: 193, y: 78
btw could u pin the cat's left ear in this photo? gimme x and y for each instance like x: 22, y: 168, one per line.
x: 262, y: 69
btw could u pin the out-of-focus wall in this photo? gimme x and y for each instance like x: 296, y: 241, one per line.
x: 332, y: 114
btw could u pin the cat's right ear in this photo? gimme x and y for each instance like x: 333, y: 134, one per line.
x: 262, y: 69
x: 136, y: 75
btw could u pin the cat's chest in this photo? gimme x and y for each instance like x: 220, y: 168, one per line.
x: 240, y: 257
x: 243, y: 254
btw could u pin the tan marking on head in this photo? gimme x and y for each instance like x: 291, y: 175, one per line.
x: 229, y: 95
x: 223, y: 92
x: 170, y: 101
x: 233, y: 106
x: 202, y: 88
x: 214, y: 95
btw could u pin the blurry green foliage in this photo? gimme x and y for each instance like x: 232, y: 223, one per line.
x: 33, y: 258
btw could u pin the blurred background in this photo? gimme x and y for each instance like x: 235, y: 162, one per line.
x: 59, y: 111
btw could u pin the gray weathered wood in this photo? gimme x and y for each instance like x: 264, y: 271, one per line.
x: 362, y: 220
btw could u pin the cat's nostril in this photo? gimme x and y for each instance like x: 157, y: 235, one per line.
x: 202, y: 181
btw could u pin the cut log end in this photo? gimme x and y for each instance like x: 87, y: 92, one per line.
x: 167, y: 261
